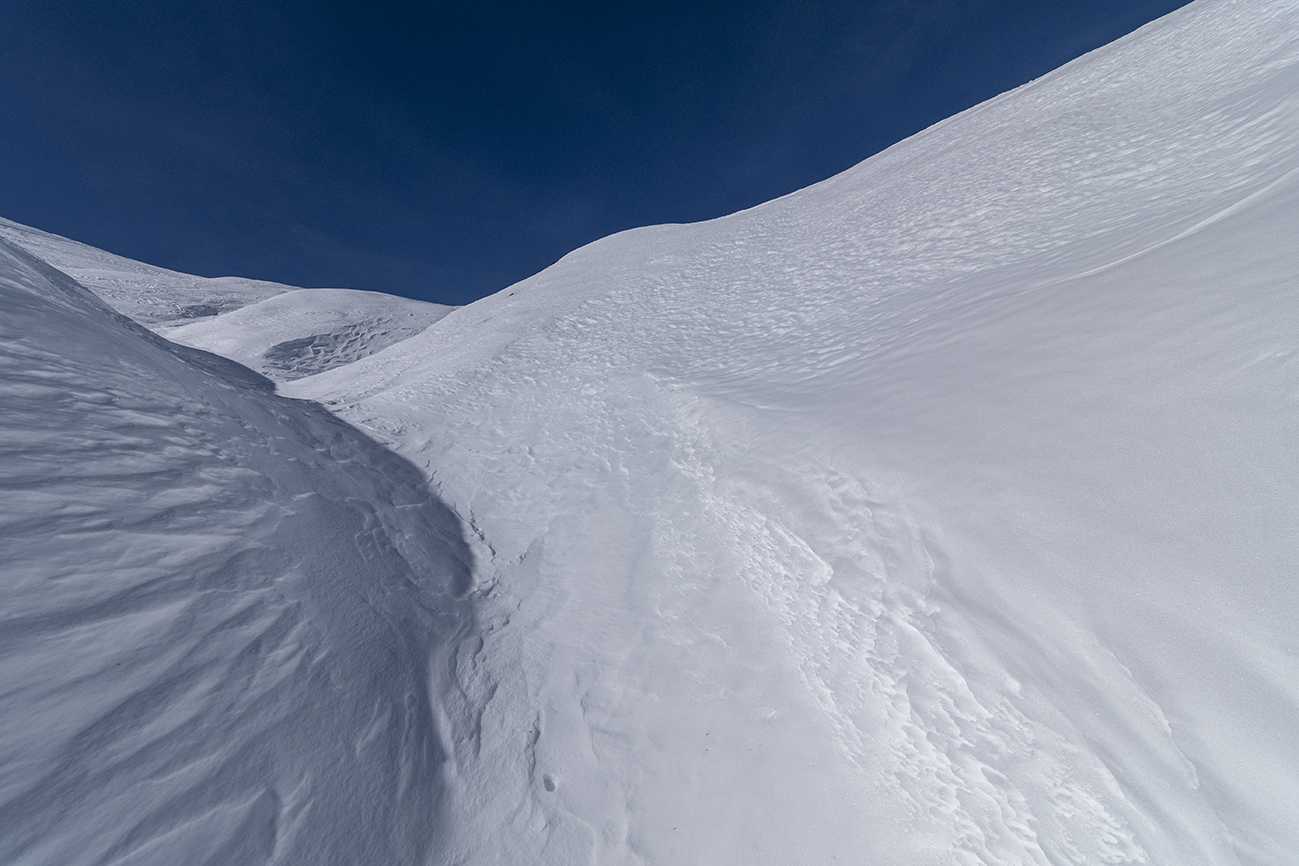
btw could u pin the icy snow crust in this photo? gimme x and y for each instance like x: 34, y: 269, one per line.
x: 941, y: 513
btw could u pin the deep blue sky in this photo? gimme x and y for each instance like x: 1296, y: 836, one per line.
x: 445, y: 150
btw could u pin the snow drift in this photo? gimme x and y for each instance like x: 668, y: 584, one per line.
x: 224, y: 610
x: 943, y: 512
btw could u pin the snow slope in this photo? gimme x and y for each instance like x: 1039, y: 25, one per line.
x: 226, y: 614
x: 943, y: 512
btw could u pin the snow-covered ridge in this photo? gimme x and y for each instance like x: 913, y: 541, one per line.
x: 280, y: 331
x: 148, y: 294
x: 942, y: 512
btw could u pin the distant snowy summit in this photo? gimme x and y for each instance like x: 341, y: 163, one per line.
x: 306, y: 331
x: 280, y: 331
x: 942, y: 512
x: 150, y: 295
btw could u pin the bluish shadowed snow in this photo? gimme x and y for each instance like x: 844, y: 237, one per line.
x: 228, y: 617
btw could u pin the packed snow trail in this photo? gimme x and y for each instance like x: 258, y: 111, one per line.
x: 227, y: 616
x: 943, y: 512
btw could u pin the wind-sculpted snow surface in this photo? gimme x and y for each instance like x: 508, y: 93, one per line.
x: 227, y: 616
x: 943, y: 512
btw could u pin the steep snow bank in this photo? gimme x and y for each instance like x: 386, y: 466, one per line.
x: 227, y: 616
x: 941, y: 512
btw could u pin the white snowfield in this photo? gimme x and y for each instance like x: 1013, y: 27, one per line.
x: 945, y: 512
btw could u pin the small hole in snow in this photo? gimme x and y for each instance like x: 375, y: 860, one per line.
x: 547, y: 782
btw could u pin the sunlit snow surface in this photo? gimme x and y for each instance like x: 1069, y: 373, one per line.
x: 944, y: 512
x: 307, y: 331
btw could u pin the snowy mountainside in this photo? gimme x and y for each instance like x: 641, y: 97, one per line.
x: 227, y: 614
x: 941, y: 512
